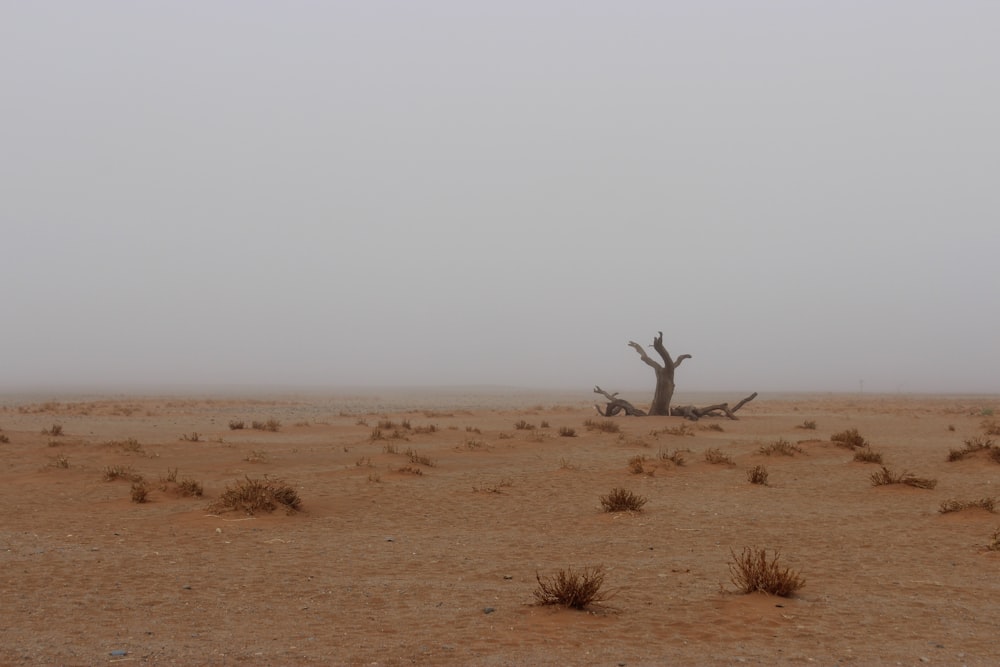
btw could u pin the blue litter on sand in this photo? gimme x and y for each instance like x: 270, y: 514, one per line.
x: 119, y: 653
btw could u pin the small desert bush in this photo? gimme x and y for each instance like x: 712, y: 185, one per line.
x: 236, y: 424
x: 543, y: 424
x: 677, y: 457
x: 849, y: 439
x: 757, y: 475
x: 55, y: 430
x: 566, y: 464
x: 374, y: 477
x: 272, y: 425
x: 991, y: 427
x: 622, y: 500
x: 494, y: 488
x: 683, y: 429
x: 256, y: 456
x: 567, y: 432
x: 524, y: 426
x: 390, y: 448
x: 866, y: 455
x: 713, y: 427
x: 410, y: 470
x: 387, y: 424
x: 418, y: 458
x: 752, y: 571
x: 886, y: 477
x: 780, y: 447
x: 604, y: 426
x: 637, y: 464
x: 972, y: 446
x: 473, y: 429
x: 994, y: 544
x: 808, y: 424
x: 254, y: 496
x: 376, y: 434
x: 364, y: 462
x: 567, y: 588
x: 4, y: 439
x: 988, y: 504
x: 112, y: 473
x: 429, y: 428
x: 716, y: 456
x: 59, y: 461
x: 140, y: 492
x: 193, y: 437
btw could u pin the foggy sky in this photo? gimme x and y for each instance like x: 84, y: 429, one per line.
x: 802, y: 195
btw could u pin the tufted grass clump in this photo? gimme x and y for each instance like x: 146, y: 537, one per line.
x: 576, y: 590
x: 885, y: 477
x: 604, y: 426
x: 716, y: 457
x: 622, y: 500
x: 973, y: 446
x: 780, y: 447
x: 849, y: 439
x: 757, y: 475
x: 752, y: 571
x: 866, y: 455
x: 255, y: 496
x: 947, y: 506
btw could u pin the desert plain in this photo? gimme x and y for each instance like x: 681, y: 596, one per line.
x: 427, y: 517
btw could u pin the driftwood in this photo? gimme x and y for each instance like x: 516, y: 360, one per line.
x: 617, y: 405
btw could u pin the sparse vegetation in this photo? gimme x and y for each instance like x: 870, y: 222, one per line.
x: 543, y: 424
x: 622, y: 500
x: 988, y: 504
x: 849, y: 439
x: 364, y: 462
x: 193, y: 437
x: 682, y: 429
x: 411, y: 470
x: 808, y: 424
x: 376, y: 434
x: 714, y: 426
x: 374, y: 477
x: 715, y: 456
x: 886, y: 477
x: 994, y: 544
x: 55, y: 430
x: 254, y: 496
x: 990, y: 427
x: 677, y: 457
x: 390, y: 448
x: 115, y: 472
x: 418, y: 458
x: 866, y: 455
x: 423, y: 430
x: 256, y: 456
x: 604, y: 426
x: 4, y: 439
x: 567, y: 432
x: 780, y: 447
x: 272, y: 425
x: 566, y: 464
x: 524, y: 426
x: 473, y: 429
x: 576, y: 590
x: 140, y: 492
x: 757, y: 475
x: 637, y: 464
x: 236, y: 424
x: 753, y: 571
x: 495, y: 488
x: 59, y: 461
x: 972, y: 446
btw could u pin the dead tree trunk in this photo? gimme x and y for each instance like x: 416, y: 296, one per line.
x: 616, y: 405
x: 694, y: 414
x: 664, y: 374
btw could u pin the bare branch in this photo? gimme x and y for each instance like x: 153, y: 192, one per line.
x: 645, y: 357
x: 680, y: 359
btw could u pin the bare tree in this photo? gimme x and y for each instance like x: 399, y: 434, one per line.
x: 664, y: 374
x: 664, y: 392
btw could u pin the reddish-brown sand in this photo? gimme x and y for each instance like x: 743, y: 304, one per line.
x: 387, y: 567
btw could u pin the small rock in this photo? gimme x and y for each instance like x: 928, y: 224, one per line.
x: 186, y: 587
x: 488, y: 610
x: 508, y: 577
x: 119, y: 652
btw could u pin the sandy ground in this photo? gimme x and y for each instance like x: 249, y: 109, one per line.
x: 387, y: 567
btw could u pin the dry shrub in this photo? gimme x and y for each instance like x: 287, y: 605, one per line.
x: 752, y: 571
x: 808, y: 424
x: 973, y: 446
x: 254, y: 496
x: 111, y: 473
x: 55, y: 430
x: 429, y: 428
x: 994, y: 544
x: 567, y: 432
x: 194, y: 437
x: 140, y: 492
x: 256, y: 456
x: 781, y: 447
x: 622, y: 500
x: 715, y: 456
x: 683, y: 429
x: 757, y: 475
x: 677, y: 457
x: 991, y: 427
x: 524, y: 426
x: 712, y: 427
x: 866, y: 455
x: 59, y: 461
x: 885, y: 477
x: 849, y: 439
x: 418, y: 458
x: 604, y: 426
x: 988, y: 504
x: 411, y: 470
x: 236, y: 424
x: 636, y: 465
x: 4, y: 439
x: 576, y: 590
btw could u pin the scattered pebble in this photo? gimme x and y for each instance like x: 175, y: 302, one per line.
x: 488, y: 610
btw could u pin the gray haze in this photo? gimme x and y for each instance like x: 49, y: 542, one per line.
x: 803, y: 195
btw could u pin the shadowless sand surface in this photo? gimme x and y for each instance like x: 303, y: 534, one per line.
x: 437, y: 564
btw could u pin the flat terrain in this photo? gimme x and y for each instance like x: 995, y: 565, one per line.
x: 425, y: 517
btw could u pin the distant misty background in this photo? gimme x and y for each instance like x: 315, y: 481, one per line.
x: 802, y: 195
